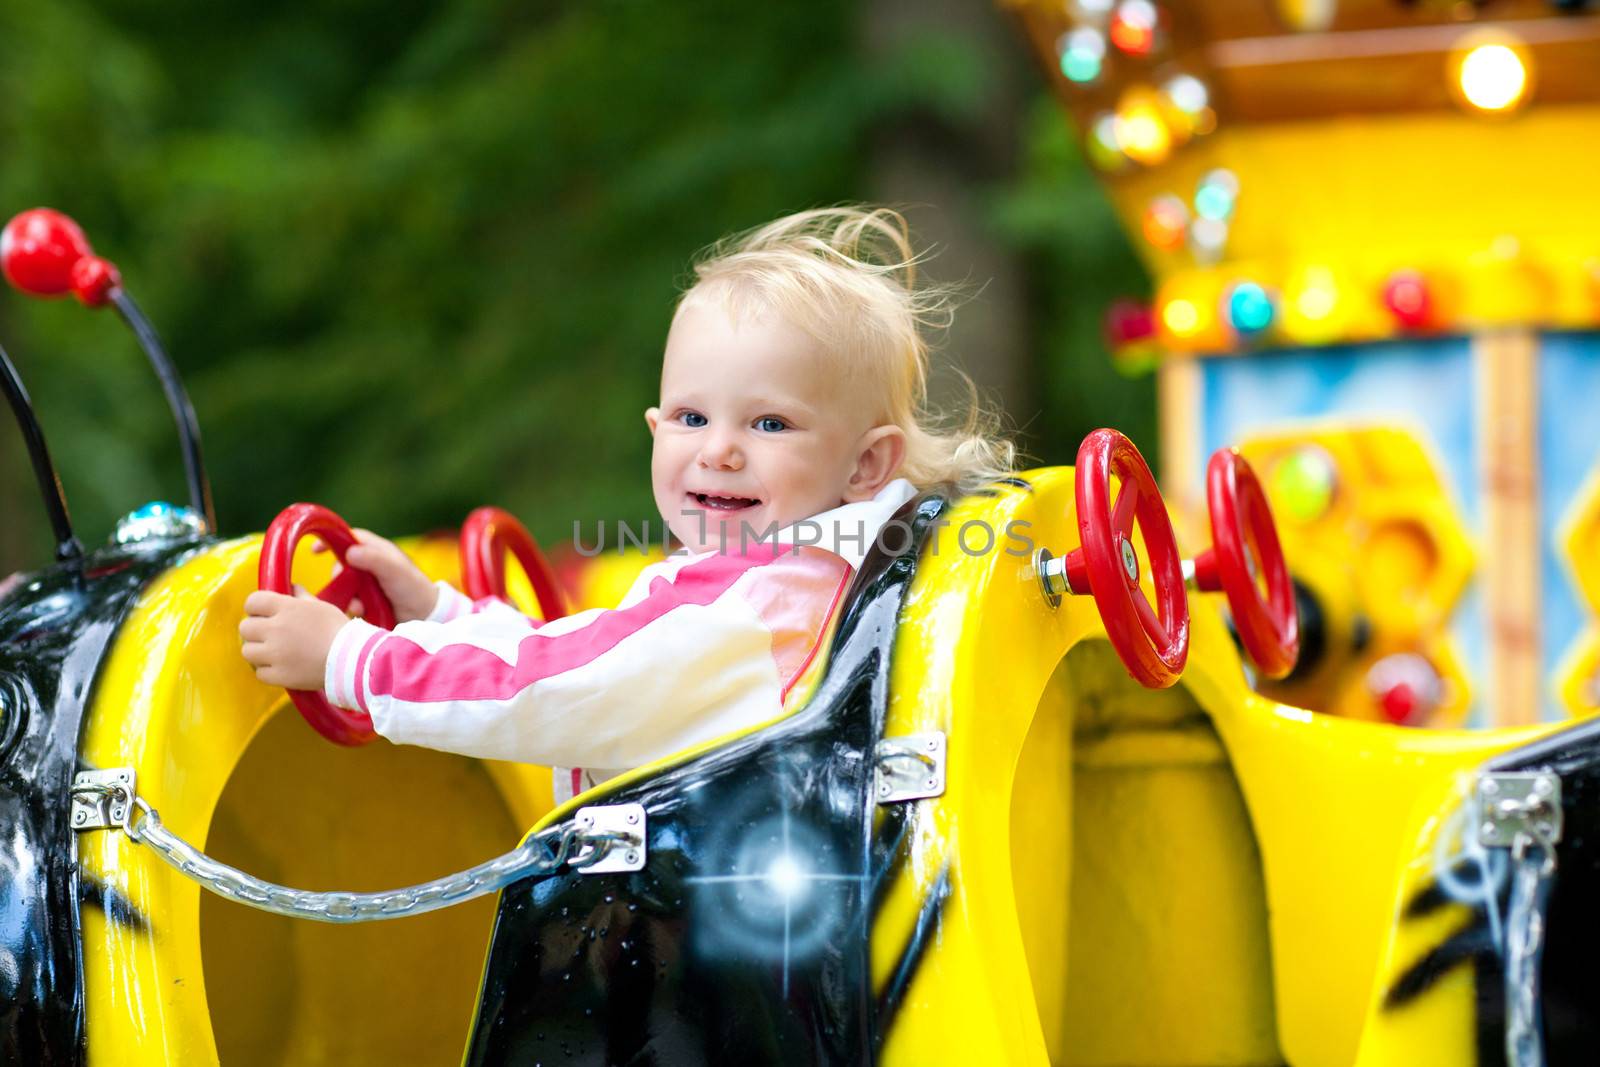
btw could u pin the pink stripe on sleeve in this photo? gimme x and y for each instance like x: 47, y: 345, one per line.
x: 404, y: 670
x: 795, y: 602
x: 361, y: 662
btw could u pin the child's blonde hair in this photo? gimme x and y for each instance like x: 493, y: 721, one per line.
x: 847, y: 276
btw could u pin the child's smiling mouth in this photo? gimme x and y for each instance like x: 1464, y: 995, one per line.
x: 723, y: 503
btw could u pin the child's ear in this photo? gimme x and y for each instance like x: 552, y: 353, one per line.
x: 651, y: 417
x: 879, y: 454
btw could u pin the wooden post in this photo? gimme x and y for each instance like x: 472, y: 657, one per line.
x: 1507, y: 363
x: 1182, y: 474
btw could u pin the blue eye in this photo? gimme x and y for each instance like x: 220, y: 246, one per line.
x: 692, y: 419
x: 771, y: 424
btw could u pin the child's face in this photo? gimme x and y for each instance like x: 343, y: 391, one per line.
x: 752, y: 430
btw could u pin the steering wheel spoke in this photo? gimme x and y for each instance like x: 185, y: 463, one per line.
x: 1148, y: 619
x: 1126, y: 508
x: 345, y: 587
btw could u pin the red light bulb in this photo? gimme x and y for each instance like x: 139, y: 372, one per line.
x: 1409, y: 300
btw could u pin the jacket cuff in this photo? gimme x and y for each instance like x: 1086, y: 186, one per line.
x: 452, y: 604
x: 347, y: 662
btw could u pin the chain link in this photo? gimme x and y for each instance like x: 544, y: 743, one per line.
x: 1534, y: 866
x: 541, y: 855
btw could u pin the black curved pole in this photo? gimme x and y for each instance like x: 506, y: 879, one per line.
x: 55, y: 501
x: 177, y: 399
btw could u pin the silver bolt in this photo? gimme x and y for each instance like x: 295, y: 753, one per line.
x: 631, y: 857
x: 79, y: 816
x: 883, y: 789
x: 633, y: 818
x: 586, y: 820
x: 116, y: 813
x: 933, y: 744
x: 932, y: 783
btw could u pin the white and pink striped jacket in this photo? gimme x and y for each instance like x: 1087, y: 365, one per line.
x: 700, y: 646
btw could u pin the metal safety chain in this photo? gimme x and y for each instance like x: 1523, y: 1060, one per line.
x: 612, y: 838
x: 1532, y: 874
x: 1522, y: 812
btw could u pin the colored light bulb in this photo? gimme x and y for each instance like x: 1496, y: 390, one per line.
x: 1133, y: 27
x: 1303, y: 483
x: 1105, y: 151
x: 1188, y: 105
x: 1166, y: 222
x: 1142, y: 130
x: 1182, y: 318
x: 1250, y: 308
x: 1217, y: 195
x: 1082, y: 55
x: 1492, y: 78
x: 1311, y: 306
x: 1129, y: 322
x: 1408, y: 299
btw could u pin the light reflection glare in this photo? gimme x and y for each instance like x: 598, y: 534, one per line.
x: 786, y: 878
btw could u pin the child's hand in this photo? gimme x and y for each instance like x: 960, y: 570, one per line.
x: 408, y: 589
x: 287, y: 638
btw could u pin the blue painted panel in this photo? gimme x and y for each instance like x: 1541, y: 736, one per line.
x: 1569, y: 451
x: 1424, y: 386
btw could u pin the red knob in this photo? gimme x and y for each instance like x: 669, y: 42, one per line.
x: 44, y: 253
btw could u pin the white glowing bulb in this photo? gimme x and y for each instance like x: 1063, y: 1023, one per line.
x: 1493, y: 77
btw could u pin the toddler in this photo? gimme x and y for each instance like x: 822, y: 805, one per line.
x: 791, y: 426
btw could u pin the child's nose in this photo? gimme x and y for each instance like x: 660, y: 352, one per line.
x: 721, y: 453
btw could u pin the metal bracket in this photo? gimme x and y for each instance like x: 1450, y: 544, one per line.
x: 627, y: 852
x: 910, y: 767
x: 1513, y: 806
x: 102, y: 799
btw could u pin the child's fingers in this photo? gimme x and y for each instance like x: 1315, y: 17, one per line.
x: 261, y: 602
x: 253, y: 628
x: 302, y: 593
x: 355, y: 609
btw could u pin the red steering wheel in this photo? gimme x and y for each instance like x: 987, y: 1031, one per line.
x: 487, y: 535
x: 1153, y: 645
x: 1245, y: 552
x: 277, y: 558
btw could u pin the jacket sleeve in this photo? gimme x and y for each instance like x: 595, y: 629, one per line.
x: 453, y: 604
x: 710, y: 650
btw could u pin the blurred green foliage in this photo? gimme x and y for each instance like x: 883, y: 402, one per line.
x: 412, y: 257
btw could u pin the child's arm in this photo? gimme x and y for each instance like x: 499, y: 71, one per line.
x: 710, y: 650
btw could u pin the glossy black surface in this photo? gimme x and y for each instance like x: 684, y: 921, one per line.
x: 1570, y: 1000
x: 1571, y: 995
x: 54, y: 630
x: 746, y: 937
x: 44, y: 471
